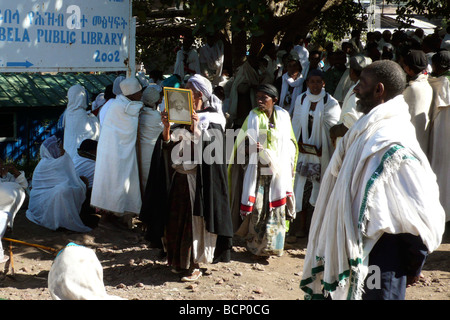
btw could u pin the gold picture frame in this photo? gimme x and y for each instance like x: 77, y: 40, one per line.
x: 178, y: 105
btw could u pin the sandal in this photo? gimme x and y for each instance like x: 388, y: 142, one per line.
x: 196, y: 274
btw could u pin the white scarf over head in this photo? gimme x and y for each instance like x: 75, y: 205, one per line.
x: 210, y: 100
x: 57, y: 193
x: 79, y: 124
x: 378, y: 180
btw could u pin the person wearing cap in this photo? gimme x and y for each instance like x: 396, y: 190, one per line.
x: 439, y: 151
x: 261, y: 176
x: 316, y: 111
x: 185, y: 205
x: 349, y: 114
x: 148, y: 131
x: 418, y: 94
x: 116, y: 187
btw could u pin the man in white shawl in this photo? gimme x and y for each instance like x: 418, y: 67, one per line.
x: 150, y: 127
x: 187, y: 60
x: 418, y: 94
x: 116, y: 187
x: 316, y: 111
x: 211, y: 59
x: 378, y: 213
x: 439, y: 148
x: 13, y: 184
x: 57, y: 192
x: 261, y: 176
x: 78, y: 123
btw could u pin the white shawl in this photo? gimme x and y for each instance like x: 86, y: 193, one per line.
x: 148, y: 132
x: 287, y: 83
x: 439, y: 147
x: 78, y: 124
x: 192, y: 61
x: 279, y: 154
x: 116, y: 181
x: 377, y: 158
x: 212, y: 57
x: 245, y: 76
x: 57, y: 194
x: 325, y: 116
x: 12, y: 195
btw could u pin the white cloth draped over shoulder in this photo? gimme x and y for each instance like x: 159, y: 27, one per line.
x: 12, y: 195
x: 116, y: 185
x: 297, y: 88
x: 78, y: 123
x: 280, y: 154
x: 85, y: 168
x: 4, y: 217
x: 379, y: 180
x: 325, y: 116
x: 148, y: 132
x: 57, y: 193
x: 419, y: 95
x: 192, y: 62
x: 439, y: 147
x: 244, y: 79
x: 211, y: 59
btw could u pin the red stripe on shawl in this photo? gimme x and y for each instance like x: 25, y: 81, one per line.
x: 251, y: 199
x: 278, y: 203
x: 246, y: 208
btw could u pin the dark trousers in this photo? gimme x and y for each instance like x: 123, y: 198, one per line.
x: 396, y: 257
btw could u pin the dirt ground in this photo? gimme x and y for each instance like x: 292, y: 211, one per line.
x: 133, y: 271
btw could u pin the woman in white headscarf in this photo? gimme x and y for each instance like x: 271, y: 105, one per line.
x: 149, y: 130
x: 57, y: 192
x: 79, y: 125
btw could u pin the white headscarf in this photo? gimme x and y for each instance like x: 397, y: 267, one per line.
x: 77, y: 274
x: 203, y: 85
x: 79, y: 124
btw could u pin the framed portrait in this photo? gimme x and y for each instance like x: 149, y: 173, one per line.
x: 309, y: 149
x: 178, y: 104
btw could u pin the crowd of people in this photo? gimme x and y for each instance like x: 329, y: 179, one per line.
x: 345, y: 146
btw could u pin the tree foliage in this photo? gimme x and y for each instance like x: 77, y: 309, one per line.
x: 247, y: 24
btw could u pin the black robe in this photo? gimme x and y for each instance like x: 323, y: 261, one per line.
x: 211, y: 197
